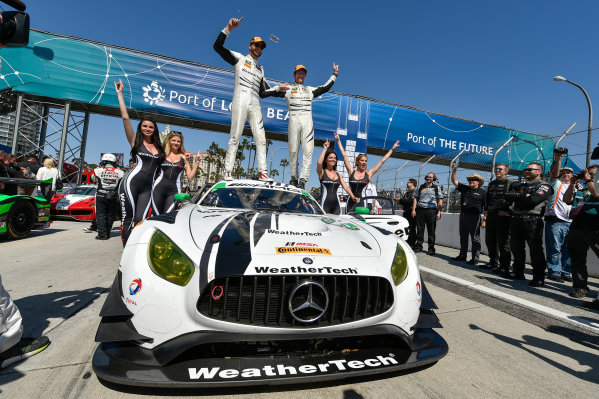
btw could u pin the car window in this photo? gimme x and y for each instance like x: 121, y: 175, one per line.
x: 261, y: 199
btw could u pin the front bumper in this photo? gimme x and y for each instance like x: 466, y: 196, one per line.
x: 332, y: 356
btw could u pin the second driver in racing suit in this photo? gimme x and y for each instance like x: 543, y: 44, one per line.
x: 108, y: 176
x: 301, y: 127
x: 249, y: 82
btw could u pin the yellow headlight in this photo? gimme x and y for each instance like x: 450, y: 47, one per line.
x: 169, y: 261
x: 399, y: 267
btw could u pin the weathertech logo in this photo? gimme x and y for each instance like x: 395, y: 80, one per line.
x: 293, y: 233
x: 281, y: 370
x: 295, y: 250
x: 304, y: 270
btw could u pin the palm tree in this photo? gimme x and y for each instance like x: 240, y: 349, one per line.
x: 284, y: 163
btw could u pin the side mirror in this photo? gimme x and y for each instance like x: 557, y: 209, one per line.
x: 182, y: 197
x: 362, y: 210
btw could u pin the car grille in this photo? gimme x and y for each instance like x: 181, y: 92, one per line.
x: 264, y: 300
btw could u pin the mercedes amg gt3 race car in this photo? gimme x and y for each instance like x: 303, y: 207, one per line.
x: 251, y: 283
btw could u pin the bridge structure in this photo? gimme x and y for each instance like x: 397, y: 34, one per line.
x: 71, y: 78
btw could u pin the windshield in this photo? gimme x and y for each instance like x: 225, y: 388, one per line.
x: 261, y: 199
x: 82, y: 191
x: 377, y: 205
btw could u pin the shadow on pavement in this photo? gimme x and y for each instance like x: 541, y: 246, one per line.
x: 528, y: 343
x: 37, y: 310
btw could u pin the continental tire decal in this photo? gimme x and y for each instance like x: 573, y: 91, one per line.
x: 295, y: 250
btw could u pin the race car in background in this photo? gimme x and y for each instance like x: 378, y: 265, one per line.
x: 251, y: 283
x: 19, y: 214
x: 77, y: 203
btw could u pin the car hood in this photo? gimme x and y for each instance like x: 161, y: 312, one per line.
x: 70, y: 199
x: 283, y: 235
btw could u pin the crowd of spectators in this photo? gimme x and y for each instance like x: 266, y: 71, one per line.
x: 557, y: 218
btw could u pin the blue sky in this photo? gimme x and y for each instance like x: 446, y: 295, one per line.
x: 491, y: 62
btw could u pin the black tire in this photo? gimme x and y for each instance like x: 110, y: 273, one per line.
x: 21, y: 219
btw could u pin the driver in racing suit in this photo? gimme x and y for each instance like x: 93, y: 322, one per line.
x: 249, y: 82
x: 301, y: 128
x: 108, y: 177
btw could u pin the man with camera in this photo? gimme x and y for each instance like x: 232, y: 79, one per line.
x: 529, y: 200
x: 557, y: 221
x: 107, y: 175
x: 584, y: 229
x: 496, y: 220
x: 426, y: 209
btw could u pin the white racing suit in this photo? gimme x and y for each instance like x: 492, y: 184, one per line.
x: 249, y: 81
x: 11, y: 327
x: 301, y: 128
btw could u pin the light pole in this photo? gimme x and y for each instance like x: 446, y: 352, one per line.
x: 586, y: 95
x: 272, y: 153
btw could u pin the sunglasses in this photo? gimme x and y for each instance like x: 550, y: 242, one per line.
x: 499, y: 168
x: 530, y: 169
x: 259, y: 45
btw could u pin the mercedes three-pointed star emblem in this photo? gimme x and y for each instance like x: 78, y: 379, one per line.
x: 314, y: 304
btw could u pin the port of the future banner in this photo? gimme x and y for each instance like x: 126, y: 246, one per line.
x: 73, y: 69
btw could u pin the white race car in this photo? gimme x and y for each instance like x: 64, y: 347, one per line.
x: 251, y: 283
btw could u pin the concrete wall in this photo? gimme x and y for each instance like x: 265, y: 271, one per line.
x: 448, y: 235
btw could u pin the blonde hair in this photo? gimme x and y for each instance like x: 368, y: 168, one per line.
x: 167, y: 143
x: 360, y: 157
x: 49, y: 163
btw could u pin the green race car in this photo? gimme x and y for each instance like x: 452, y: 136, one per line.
x: 21, y: 213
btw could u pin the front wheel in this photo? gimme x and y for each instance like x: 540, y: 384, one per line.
x: 21, y: 219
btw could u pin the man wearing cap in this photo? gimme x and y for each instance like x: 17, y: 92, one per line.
x: 471, y: 209
x: 557, y: 223
x: 301, y: 128
x: 249, y: 82
x: 529, y: 200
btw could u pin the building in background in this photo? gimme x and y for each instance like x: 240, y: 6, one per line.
x: 29, y: 131
x: 210, y: 170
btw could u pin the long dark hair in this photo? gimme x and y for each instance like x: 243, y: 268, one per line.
x: 139, y: 138
x: 324, y: 162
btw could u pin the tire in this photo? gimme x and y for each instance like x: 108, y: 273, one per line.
x: 21, y: 219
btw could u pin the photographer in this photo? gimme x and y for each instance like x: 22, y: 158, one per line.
x: 529, y: 201
x: 108, y: 176
x: 584, y: 229
x: 557, y: 222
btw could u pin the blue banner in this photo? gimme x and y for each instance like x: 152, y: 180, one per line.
x: 78, y: 70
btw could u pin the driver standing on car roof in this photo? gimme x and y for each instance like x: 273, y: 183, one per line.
x: 107, y: 175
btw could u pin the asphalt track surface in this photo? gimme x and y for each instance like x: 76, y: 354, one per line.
x: 506, y: 340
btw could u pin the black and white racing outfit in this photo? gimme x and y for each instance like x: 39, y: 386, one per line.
x: 135, y: 190
x: 249, y: 81
x: 301, y: 127
x: 108, y: 178
x: 167, y: 184
x: 357, y: 187
x: 329, y: 200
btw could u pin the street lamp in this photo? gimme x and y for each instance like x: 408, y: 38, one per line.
x: 590, y: 126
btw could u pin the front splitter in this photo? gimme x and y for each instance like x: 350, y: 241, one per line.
x: 274, y: 370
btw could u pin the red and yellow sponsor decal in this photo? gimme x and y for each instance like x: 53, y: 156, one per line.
x: 247, y: 65
x: 295, y: 250
x: 293, y: 91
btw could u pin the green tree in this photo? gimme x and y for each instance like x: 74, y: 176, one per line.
x: 284, y: 163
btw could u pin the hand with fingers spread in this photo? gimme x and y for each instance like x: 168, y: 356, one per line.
x: 326, y: 144
x: 234, y: 23
x: 335, y: 69
x: 284, y: 86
